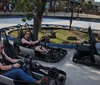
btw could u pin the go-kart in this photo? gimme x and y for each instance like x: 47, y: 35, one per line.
x: 17, y: 49
x: 49, y: 76
x: 85, y: 53
x: 54, y: 55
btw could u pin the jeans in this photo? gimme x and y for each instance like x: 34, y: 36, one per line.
x: 98, y: 47
x: 18, y: 72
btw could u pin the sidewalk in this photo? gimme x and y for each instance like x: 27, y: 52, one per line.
x: 52, y: 14
x: 65, y: 14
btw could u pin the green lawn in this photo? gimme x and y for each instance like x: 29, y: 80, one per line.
x: 61, y: 35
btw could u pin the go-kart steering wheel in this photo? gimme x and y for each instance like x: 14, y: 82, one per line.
x: 37, y: 66
x: 22, y: 62
x: 43, y: 39
x: 27, y: 60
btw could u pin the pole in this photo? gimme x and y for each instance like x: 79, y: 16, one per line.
x: 72, y: 12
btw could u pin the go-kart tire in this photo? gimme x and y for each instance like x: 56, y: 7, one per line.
x: 88, y: 60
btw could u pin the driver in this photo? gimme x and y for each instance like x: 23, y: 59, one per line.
x: 98, y: 44
x: 26, y: 41
x: 13, y: 71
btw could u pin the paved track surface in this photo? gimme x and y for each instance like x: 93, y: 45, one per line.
x: 4, y: 22
x: 77, y: 74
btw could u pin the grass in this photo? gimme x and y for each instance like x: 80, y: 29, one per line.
x: 61, y: 35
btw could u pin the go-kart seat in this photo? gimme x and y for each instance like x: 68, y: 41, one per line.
x: 22, y: 51
x: 92, y: 41
x: 21, y: 34
x: 28, y: 48
x: 9, y: 49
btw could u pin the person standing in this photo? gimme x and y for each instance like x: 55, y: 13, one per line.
x: 5, y: 8
x: 97, y: 45
x: 46, y: 9
x: 10, y: 7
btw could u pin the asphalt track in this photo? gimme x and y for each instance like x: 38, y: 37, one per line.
x: 77, y: 74
x: 4, y: 22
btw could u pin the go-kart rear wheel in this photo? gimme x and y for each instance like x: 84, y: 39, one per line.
x: 87, y: 60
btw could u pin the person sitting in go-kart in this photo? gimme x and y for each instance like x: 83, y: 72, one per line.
x: 14, y: 71
x: 98, y: 44
x: 27, y: 42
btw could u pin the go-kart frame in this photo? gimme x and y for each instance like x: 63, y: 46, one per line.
x: 58, y: 79
x: 53, y: 75
x: 55, y: 54
x: 84, y: 54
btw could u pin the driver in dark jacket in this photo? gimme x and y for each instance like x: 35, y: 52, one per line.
x: 13, y: 71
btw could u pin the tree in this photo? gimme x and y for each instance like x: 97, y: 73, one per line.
x: 50, y: 5
x: 34, y: 10
x: 96, y: 9
x: 73, y: 5
x: 88, y: 5
x: 80, y: 6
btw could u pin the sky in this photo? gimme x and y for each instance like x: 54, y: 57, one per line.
x: 97, y: 0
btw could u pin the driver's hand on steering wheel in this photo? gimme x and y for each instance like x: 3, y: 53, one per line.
x: 17, y: 65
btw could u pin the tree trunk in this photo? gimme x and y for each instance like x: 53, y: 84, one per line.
x: 50, y: 5
x: 36, y: 27
x: 78, y: 13
x: 38, y: 19
x: 68, y: 5
x: 71, y: 19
